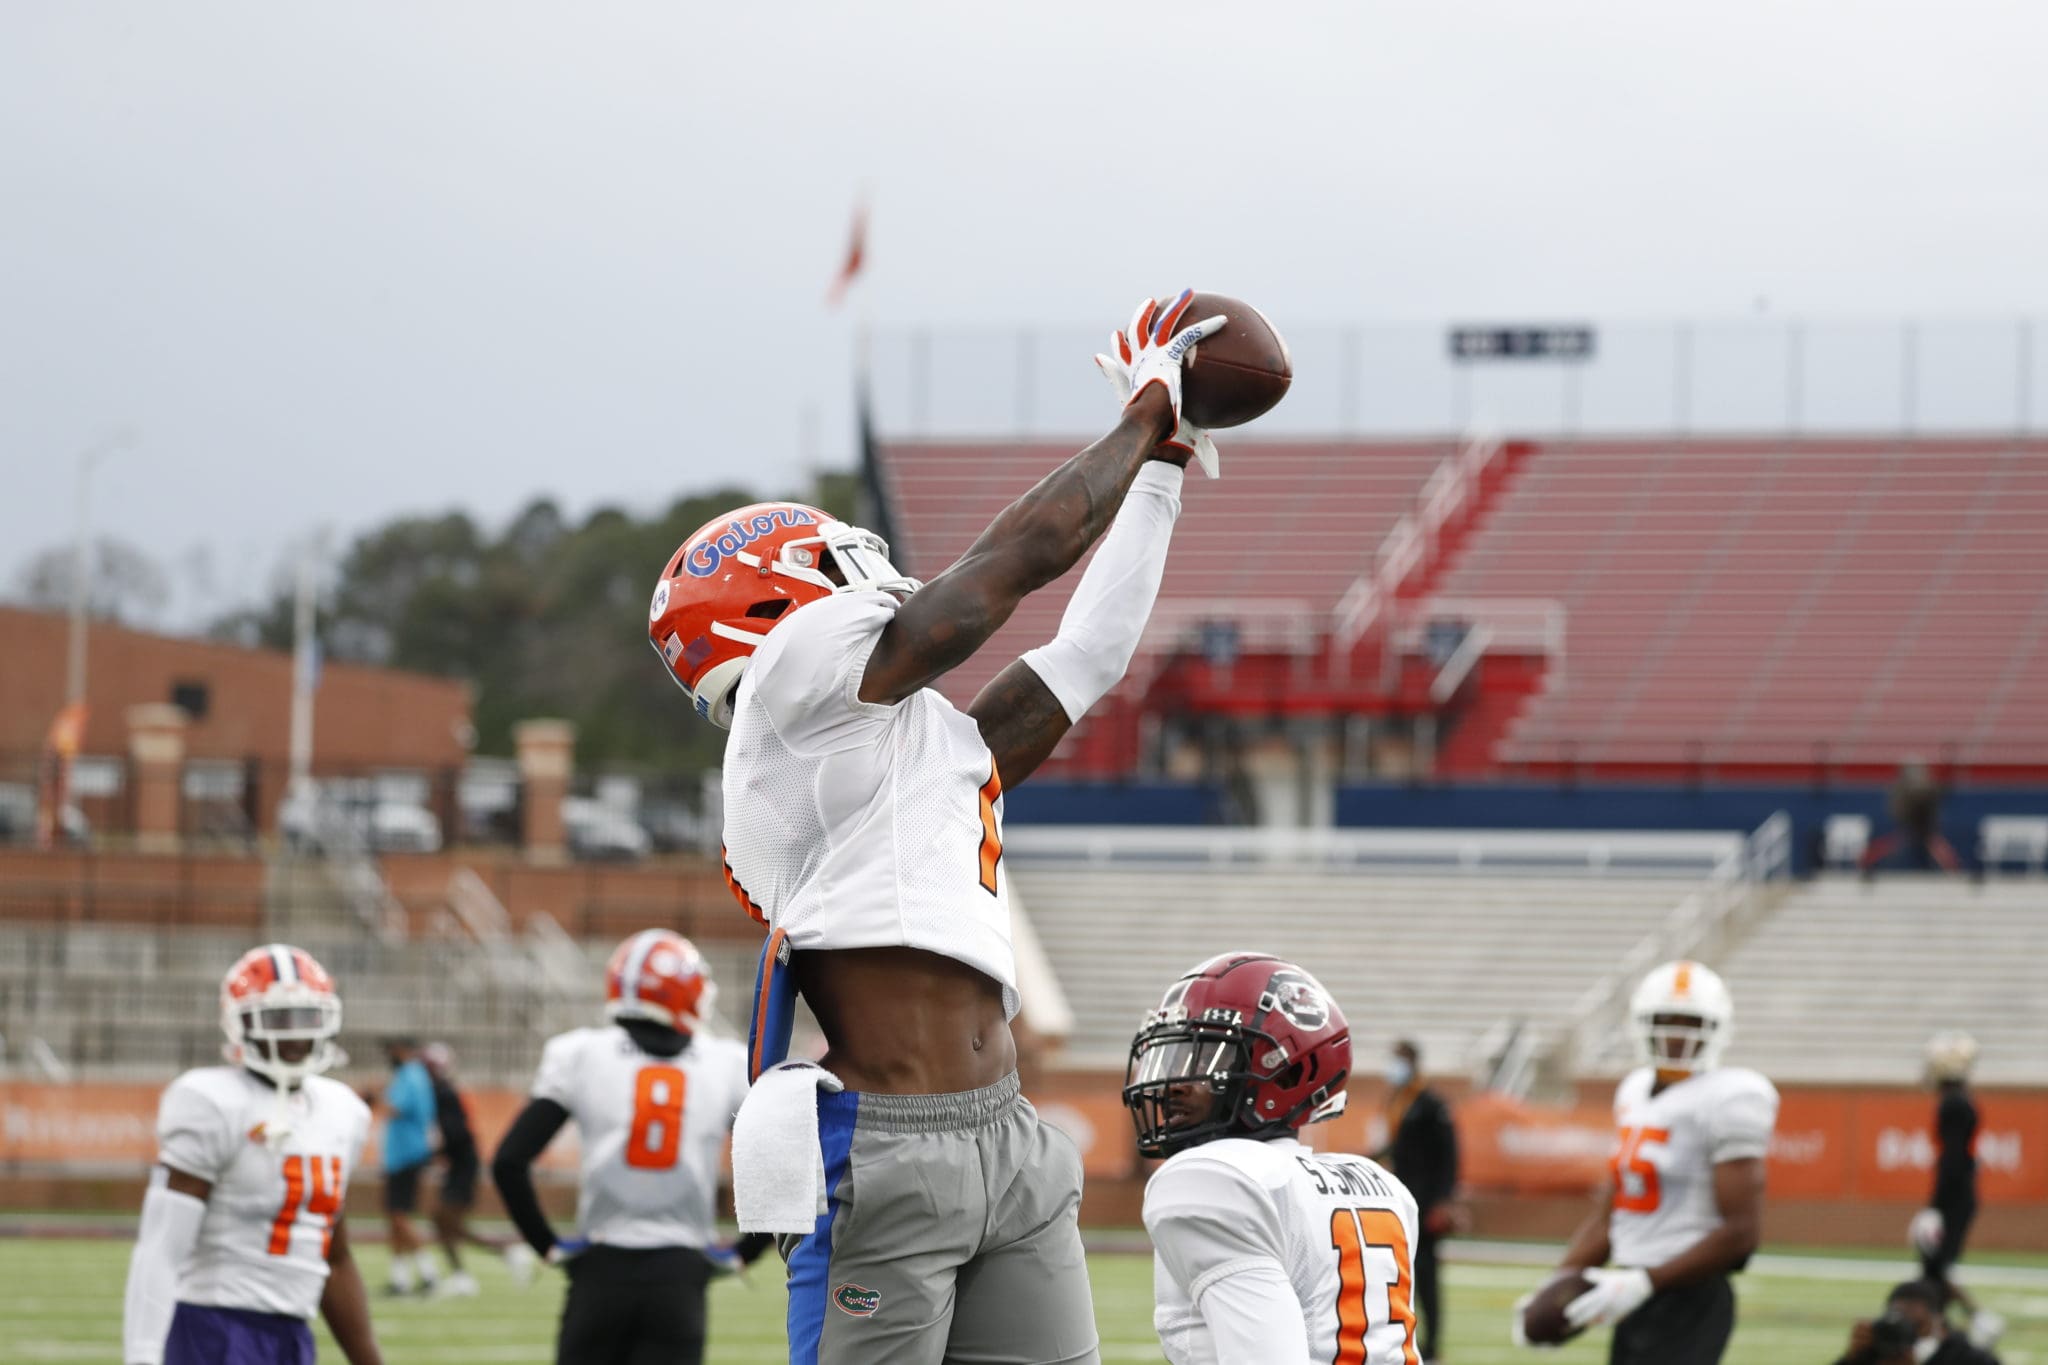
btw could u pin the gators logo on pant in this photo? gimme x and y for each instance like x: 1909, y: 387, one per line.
x: 854, y: 1300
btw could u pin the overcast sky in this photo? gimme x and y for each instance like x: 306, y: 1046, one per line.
x: 335, y: 261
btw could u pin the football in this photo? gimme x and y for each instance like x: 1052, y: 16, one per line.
x: 1543, y: 1320
x: 1239, y: 373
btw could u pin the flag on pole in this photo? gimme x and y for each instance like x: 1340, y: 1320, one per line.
x: 856, y: 256
x: 60, y: 749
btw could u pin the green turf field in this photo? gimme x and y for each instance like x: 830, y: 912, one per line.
x: 61, y: 1300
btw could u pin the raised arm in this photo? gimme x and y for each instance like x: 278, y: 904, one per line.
x: 1031, y: 542
x: 1025, y: 711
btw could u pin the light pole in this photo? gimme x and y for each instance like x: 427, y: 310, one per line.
x: 81, y: 555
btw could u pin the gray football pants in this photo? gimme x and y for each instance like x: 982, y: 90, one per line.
x: 951, y: 1237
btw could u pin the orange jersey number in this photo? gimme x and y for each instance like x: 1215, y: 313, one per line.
x: 1373, y: 1281
x: 657, y: 1135
x: 991, y: 837
x: 1636, y: 1189
x: 325, y: 1201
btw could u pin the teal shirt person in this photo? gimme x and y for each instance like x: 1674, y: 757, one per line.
x: 408, y: 1132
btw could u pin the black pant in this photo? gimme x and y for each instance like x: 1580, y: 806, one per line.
x: 1426, y: 1298
x: 1956, y: 1217
x: 1687, y: 1326
x: 634, y: 1308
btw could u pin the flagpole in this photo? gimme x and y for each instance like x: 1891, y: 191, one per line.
x: 81, y: 561
x: 304, y: 666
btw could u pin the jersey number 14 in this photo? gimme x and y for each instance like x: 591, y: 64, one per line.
x: 1374, y: 1281
x: 325, y: 1173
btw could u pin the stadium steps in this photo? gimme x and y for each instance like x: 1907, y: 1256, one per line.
x: 1438, y: 958
x: 1848, y: 979
x: 1778, y: 604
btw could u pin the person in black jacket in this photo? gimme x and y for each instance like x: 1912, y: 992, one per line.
x: 1938, y: 1230
x: 1423, y: 1151
x: 1912, y: 1316
x: 460, y: 1166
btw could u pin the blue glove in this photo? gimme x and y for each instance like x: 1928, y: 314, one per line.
x: 725, y: 1260
x: 567, y: 1249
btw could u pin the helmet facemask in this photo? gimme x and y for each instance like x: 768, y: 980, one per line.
x: 1189, y: 1081
x: 1679, y: 1041
x: 261, y: 1030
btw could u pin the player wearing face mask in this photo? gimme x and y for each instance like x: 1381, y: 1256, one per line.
x: 1422, y: 1149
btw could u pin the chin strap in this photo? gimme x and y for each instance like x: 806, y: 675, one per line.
x: 170, y: 1229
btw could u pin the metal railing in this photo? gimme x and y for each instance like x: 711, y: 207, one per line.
x: 1488, y: 852
x: 1703, y: 925
x: 1762, y: 375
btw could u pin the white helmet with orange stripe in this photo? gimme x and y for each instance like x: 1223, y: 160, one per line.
x: 281, y: 1015
x: 1681, y: 1018
x: 658, y: 975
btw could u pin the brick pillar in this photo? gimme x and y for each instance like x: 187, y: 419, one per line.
x: 156, y: 744
x: 547, y: 760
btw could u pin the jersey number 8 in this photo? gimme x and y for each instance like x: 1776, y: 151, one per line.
x: 656, y: 1137
x: 1373, y: 1279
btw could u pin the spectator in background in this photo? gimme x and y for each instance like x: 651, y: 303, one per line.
x: 1916, y: 817
x: 1423, y: 1151
x: 1937, y: 1231
x: 458, y: 1183
x: 1912, y: 1331
x: 408, y: 1146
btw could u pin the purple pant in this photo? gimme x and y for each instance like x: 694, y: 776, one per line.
x: 236, y: 1336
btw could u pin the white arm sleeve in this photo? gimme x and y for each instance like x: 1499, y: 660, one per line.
x: 1100, y: 631
x: 170, y: 1229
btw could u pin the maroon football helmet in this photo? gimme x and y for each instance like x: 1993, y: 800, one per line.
x: 1245, y: 1045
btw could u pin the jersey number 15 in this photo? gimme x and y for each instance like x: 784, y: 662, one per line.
x: 1373, y: 1281
x: 656, y: 1138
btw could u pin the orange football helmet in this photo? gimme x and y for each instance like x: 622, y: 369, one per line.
x: 658, y: 975
x: 274, y: 995
x: 739, y: 574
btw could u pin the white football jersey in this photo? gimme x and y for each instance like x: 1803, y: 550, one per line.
x: 1268, y: 1253
x: 1666, y: 1151
x: 652, y: 1131
x: 850, y: 824
x: 263, y: 1242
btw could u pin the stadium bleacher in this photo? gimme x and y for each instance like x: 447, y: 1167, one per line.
x: 1238, y: 550
x: 1441, y: 953
x: 118, y: 1003
x: 1763, y: 605
x: 1846, y: 980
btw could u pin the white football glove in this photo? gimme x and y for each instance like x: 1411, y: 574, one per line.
x: 1614, y: 1295
x: 1925, y: 1231
x: 1151, y: 352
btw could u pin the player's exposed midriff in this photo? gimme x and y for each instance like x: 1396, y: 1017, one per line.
x: 902, y: 1021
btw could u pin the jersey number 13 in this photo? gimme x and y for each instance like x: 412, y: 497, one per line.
x: 1373, y: 1281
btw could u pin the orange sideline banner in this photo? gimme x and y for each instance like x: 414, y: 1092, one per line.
x: 1854, y: 1145
x: 104, y: 1125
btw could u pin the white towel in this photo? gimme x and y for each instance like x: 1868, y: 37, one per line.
x: 778, y: 1166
